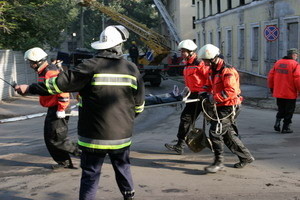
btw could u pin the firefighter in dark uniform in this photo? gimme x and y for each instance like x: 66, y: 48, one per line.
x: 284, y: 83
x: 111, y: 95
x: 55, y: 127
x: 224, y: 87
x: 134, y: 52
x: 195, y: 75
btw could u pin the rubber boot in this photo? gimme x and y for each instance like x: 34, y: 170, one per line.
x: 277, y: 124
x: 286, y: 128
x: 216, y: 166
x: 67, y: 164
x: 177, y: 147
x: 243, y: 162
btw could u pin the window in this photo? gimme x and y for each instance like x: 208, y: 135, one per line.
x: 199, y: 39
x: 255, y: 39
x: 219, y: 6
x: 242, y: 2
x: 292, y: 35
x: 210, y: 7
x: 193, y: 2
x: 220, y: 40
x: 203, y: 8
x: 229, y: 5
x: 211, y: 41
x: 198, y: 10
x: 229, y: 45
x: 193, y: 21
x: 204, y: 39
x: 241, y: 41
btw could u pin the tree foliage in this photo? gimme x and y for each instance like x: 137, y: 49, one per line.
x: 29, y: 23
x: 141, y: 11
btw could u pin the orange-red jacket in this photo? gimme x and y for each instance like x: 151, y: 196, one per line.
x: 61, y: 100
x: 195, y: 74
x: 284, y: 79
x: 224, y: 85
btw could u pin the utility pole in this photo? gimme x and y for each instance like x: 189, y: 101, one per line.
x: 81, y: 45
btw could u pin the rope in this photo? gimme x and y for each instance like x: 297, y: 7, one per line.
x: 219, y: 126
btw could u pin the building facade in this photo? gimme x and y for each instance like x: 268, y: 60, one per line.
x: 182, y: 13
x: 252, y: 34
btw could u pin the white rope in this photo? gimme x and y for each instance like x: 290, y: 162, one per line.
x: 219, y: 126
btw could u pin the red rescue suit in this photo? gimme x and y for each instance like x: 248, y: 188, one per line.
x: 59, y: 100
x: 224, y: 84
x: 195, y: 74
x: 284, y: 79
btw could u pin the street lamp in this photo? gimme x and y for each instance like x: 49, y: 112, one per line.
x: 73, y: 40
x: 73, y: 47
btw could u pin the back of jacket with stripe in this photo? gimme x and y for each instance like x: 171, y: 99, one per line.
x: 111, y: 94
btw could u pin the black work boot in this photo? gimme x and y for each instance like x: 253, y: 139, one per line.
x: 215, y: 167
x: 129, y: 195
x: 128, y: 198
x: 286, y: 128
x: 243, y: 162
x: 177, y: 147
x: 277, y: 124
x: 67, y: 164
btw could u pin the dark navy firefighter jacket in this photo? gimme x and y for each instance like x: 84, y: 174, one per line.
x: 111, y: 94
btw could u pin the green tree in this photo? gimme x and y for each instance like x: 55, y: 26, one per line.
x: 141, y: 11
x: 36, y: 23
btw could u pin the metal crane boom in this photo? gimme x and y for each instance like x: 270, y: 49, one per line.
x: 152, y: 39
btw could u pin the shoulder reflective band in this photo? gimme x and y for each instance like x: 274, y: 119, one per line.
x: 52, y: 87
x: 103, y: 144
x: 139, y: 109
x: 115, y: 80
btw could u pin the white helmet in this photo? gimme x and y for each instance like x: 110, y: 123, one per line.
x: 110, y: 37
x: 187, y: 44
x: 35, y: 54
x: 208, y: 51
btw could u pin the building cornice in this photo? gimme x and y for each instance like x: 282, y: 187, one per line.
x: 231, y: 11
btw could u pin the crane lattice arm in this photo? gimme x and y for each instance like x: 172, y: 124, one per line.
x: 152, y: 39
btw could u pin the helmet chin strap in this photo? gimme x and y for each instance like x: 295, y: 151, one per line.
x: 40, y: 65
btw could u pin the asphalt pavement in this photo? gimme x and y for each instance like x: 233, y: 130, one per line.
x: 28, y: 106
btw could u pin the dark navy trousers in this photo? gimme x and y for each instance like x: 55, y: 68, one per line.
x: 91, y: 164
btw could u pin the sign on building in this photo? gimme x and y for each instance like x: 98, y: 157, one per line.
x: 271, y: 33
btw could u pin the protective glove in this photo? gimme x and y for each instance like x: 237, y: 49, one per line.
x: 211, y: 99
x: 21, y: 89
x: 60, y: 114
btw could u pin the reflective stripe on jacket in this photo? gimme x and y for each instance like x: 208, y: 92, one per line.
x: 195, y: 74
x: 225, y: 85
x: 284, y: 79
x: 62, y: 100
x: 111, y: 93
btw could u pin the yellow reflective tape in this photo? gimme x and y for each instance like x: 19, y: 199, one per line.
x: 115, y: 75
x: 115, y: 84
x: 139, y: 109
x: 48, y: 86
x: 55, y: 86
x: 99, y: 146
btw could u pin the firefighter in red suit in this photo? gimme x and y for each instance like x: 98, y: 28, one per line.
x: 195, y: 75
x: 284, y: 83
x: 55, y: 127
x: 224, y: 88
